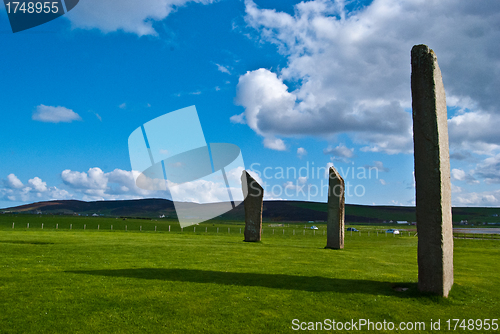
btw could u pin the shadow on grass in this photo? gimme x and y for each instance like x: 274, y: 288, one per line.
x: 24, y: 242
x: 274, y: 281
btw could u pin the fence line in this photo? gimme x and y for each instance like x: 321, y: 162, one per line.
x: 459, y: 235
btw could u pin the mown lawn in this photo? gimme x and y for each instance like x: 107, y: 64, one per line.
x: 76, y: 281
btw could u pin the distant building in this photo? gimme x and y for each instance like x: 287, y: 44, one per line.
x: 403, y: 222
x: 95, y: 215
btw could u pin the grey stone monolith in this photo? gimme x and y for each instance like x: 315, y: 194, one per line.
x: 432, y: 173
x: 254, y: 195
x: 336, y: 202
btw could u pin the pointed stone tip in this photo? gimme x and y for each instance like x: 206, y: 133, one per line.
x: 334, y: 174
x: 245, y: 176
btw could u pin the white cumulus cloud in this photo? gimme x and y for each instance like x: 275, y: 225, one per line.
x: 36, y: 190
x: 476, y: 131
x: 130, y: 16
x: 486, y: 198
x: 460, y: 175
x: 199, y: 191
x: 340, y: 151
x: 301, y: 152
x: 274, y: 143
x: 13, y: 182
x: 94, y: 179
x: 51, y: 114
x: 37, y: 184
x: 117, y: 184
x: 489, y: 169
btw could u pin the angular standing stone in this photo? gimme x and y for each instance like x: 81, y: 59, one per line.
x: 432, y: 173
x: 336, y: 201
x: 254, y: 195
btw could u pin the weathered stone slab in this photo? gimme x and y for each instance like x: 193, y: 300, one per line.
x: 336, y: 202
x: 432, y: 173
x: 254, y: 195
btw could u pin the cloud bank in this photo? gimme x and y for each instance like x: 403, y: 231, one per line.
x: 349, y: 72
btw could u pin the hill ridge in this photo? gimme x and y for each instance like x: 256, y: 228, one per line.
x: 272, y: 210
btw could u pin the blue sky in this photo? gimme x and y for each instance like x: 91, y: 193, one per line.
x: 293, y: 84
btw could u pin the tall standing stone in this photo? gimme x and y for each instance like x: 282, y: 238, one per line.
x: 432, y: 173
x: 254, y: 195
x: 336, y: 202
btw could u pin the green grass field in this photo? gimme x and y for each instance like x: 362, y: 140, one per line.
x: 90, y: 281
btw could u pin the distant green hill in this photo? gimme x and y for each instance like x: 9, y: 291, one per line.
x: 273, y: 211
x: 133, y: 208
